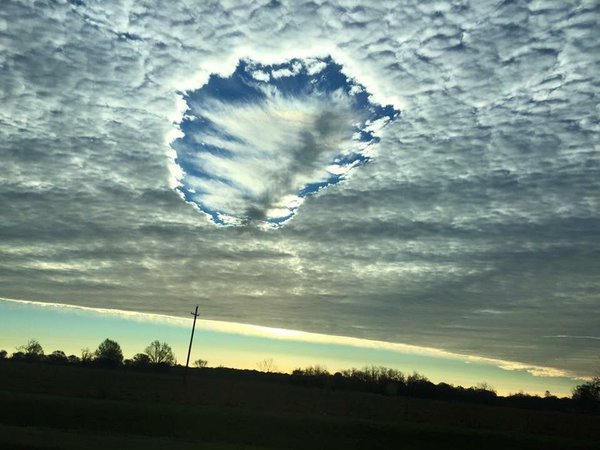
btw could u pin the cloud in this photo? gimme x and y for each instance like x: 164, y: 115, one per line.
x: 564, y: 336
x: 482, y: 196
x: 536, y: 371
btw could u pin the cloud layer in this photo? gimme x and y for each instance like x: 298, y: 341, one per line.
x: 474, y: 230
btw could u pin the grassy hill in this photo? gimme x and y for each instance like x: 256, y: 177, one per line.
x: 65, y: 407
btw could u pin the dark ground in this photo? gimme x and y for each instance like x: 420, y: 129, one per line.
x: 65, y: 407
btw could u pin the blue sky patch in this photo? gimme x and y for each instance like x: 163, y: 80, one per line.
x: 257, y: 143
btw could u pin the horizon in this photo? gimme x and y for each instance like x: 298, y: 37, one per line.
x: 244, y: 346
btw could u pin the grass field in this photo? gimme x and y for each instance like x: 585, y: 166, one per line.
x: 57, y: 407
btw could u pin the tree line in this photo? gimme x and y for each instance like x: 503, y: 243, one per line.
x: 387, y: 381
x: 108, y: 354
x: 380, y: 380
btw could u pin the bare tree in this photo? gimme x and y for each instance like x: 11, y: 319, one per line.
x: 201, y: 363
x: 160, y: 353
x: 86, y: 355
x: 266, y: 365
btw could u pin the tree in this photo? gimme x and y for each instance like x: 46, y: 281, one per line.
x: 140, y: 360
x: 109, y: 354
x: 3, y: 354
x: 201, y: 363
x: 312, y: 371
x: 160, y: 353
x: 484, y: 386
x: 18, y: 356
x: 86, y: 355
x: 58, y: 357
x: 32, y: 350
x: 266, y: 365
x: 588, y: 394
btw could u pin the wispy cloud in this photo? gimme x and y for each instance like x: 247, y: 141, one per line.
x: 566, y: 336
x: 251, y: 150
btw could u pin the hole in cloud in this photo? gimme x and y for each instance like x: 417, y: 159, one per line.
x: 255, y: 144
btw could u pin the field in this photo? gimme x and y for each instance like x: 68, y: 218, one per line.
x: 61, y: 407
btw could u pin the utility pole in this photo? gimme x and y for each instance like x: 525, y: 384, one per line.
x: 195, y: 314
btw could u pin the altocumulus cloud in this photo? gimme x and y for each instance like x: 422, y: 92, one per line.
x: 474, y: 227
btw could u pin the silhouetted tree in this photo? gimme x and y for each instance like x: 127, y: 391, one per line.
x: 312, y: 371
x: 3, y: 354
x: 18, y: 356
x: 373, y: 379
x: 108, y: 354
x: 200, y: 363
x: 160, y: 353
x: 587, y: 395
x: 57, y: 357
x: 266, y: 365
x: 74, y: 359
x: 313, y: 376
x: 140, y: 360
x: 86, y: 356
x: 484, y: 386
x: 32, y: 350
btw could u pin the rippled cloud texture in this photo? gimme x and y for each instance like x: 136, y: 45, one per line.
x: 475, y: 228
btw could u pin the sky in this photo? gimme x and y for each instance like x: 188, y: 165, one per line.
x: 420, y: 173
x: 250, y: 347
